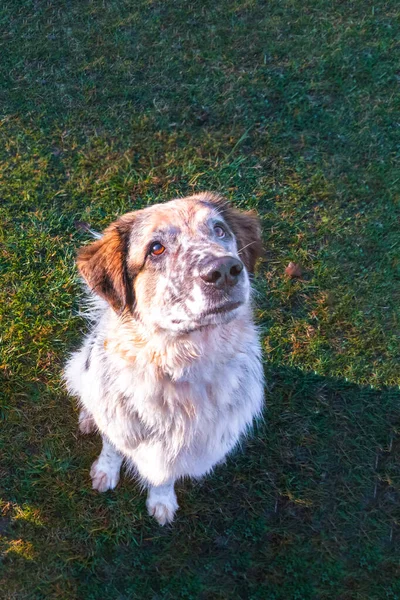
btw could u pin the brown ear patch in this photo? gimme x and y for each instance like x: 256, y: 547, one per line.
x: 246, y: 228
x: 103, y: 265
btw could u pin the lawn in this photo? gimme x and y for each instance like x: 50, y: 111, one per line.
x: 288, y: 106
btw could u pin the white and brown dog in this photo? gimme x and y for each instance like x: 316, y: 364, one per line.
x: 170, y: 374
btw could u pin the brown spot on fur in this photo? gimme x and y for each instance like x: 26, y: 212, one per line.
x: 176, y: 352
x: 160, y: 218
x: 145, y: 286
x: 103, y: 264
x: 124, y: 352
x: 127, y: 344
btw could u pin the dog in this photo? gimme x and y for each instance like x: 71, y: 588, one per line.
x: 170, y: 373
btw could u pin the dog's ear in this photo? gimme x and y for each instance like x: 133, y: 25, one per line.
x: 103, y: 265
x: 246, y: 228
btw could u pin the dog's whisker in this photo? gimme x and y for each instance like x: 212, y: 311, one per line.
x: 247, y: 245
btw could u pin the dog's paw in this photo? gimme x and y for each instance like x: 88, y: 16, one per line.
x: 86, y: 422
x: 162, y: 508
x: 103, y: 479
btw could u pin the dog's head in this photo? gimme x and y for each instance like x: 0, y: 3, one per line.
x: 176, y: 266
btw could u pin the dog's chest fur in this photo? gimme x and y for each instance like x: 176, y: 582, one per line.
x: 172, y: 408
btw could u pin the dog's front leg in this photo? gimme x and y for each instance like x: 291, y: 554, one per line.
x: 161, y: 503
x: 86, y: 422
x: 105, y: 470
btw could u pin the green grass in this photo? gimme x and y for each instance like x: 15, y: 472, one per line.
x: 288, y: 106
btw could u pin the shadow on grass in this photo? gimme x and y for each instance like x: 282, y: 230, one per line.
x: 306, y: 507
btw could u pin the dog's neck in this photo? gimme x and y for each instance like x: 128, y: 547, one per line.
x: 172, y: 353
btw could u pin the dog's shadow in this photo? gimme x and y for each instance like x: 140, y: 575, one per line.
x: 317, y: 480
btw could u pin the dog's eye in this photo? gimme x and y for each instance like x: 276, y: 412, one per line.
x: 219, y: 231
x: 156, y: 249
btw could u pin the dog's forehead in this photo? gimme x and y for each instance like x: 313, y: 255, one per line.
x: 173, y: 219
x: 178, y: 216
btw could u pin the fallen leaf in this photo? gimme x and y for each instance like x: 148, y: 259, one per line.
x: 293, y: 270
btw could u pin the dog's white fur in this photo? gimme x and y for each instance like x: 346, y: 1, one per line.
x: 171, y: 403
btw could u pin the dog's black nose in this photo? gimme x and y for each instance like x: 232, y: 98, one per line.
x: 221, y: 272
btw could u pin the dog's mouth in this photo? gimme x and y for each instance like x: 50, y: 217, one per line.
x: 221, y: 309
x: 205, y: 319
